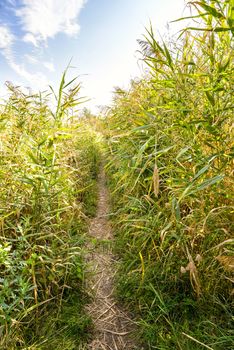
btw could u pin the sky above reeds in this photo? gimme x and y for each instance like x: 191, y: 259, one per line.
x: 38, y: 39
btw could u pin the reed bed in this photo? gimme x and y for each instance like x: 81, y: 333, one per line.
x: 170, y: 140
x: 48, y: 166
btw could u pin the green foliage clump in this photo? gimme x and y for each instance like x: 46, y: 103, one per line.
x: 171, y: 157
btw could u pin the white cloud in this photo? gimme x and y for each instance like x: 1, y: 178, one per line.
x: 38, y: 80
x: 31, y: 59
x: 6, y: 38
x: 30, y: 38
x: 45, y: 18
x: 49, y: 66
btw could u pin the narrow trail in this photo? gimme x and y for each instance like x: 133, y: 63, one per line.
x: 113, y: 329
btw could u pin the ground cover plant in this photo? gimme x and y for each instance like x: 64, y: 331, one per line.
x: 48, y: 166
x: 170, y: 155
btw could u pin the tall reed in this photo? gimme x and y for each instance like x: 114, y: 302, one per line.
x: 171, y: 157
x: 48, y: 161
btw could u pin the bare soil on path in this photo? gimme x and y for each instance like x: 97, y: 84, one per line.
x: 113, y: 329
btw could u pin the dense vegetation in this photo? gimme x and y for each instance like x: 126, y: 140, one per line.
x: 169, y: 150
x: 170, y: 165
x: 48, y: 163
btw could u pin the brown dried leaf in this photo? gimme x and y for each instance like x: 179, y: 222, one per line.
x: 226, y: 261
x: 198, y: 258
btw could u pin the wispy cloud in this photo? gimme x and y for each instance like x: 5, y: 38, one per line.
x: 49, y: 66
x: 36, y: 80
x: 30, y: 38
x: 45, y: 18
x: 39, y: 21
x: 7, y: 39
x: 31, y: 58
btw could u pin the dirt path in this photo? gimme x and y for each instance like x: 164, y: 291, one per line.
x: 113, y: 328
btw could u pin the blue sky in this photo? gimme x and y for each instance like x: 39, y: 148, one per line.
x: 39, y: 37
